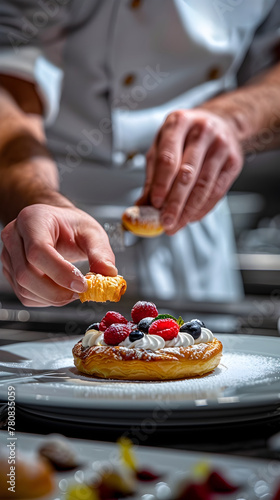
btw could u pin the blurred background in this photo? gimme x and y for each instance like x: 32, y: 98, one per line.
x: 255, y: 210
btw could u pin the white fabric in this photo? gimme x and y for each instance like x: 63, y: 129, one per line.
x: 170, y: 48
x: 31, y: 65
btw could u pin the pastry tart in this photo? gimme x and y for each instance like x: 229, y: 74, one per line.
x: 136, y: 364
x: 102, y: 288
x: 150, y: 347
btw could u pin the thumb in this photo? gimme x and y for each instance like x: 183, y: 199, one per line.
x: 100, y: 254
x: 144, y: 199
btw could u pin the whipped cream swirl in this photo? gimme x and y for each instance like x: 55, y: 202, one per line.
x: 93, y: 337
x: 152, y: 342
x: 205, y: 336
x: 182, y: 340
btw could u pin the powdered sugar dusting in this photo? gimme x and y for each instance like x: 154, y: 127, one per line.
x: 77, y: 272
x: 239, y: 373
x: 144, y: 215
x: 236, y: 370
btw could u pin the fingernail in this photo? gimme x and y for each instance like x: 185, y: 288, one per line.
x: 157, y: 202
x: 109, y: 264
x: 168, y: 221
x: 78, y: 286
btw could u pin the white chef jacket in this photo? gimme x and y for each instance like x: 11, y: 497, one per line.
x: 108, y: 73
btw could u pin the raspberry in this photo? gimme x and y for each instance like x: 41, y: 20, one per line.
x: 142, y: 310
x: 116, y: 333
x: 165, y: 328
x: 110, y: 318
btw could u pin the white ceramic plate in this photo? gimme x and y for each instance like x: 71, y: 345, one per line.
x: 258, y: 479
x: 248, y: 380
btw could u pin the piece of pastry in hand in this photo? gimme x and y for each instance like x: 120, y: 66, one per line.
x: 143, y: 221
x: 102, y: 288
x: 150, y: 347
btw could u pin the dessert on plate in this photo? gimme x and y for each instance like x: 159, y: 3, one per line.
x: 150, y: 347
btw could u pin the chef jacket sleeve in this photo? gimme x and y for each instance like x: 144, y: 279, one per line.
x: 141, y: 126
x: 29, y: 31
x: 264, y: 50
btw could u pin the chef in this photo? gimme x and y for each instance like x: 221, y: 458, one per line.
x: 88, y: 89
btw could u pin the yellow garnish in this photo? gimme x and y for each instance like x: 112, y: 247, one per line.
x: 81, y: 492
x: 201, y: 470
x: 126, y: 453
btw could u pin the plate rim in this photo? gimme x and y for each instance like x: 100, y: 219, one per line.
x: 225, y: 402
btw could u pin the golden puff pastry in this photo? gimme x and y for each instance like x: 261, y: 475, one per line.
x: 143, y: 221
x: 102, y: 288
x: 117, y: 362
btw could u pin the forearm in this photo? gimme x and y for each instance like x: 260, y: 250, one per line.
x: 253, y: 110
x: 28, y: 174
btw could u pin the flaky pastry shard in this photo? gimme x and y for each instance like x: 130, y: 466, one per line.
x: 102, y: 288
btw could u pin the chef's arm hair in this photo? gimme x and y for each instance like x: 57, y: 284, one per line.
x: 28, y: 173
x: 254, y: 110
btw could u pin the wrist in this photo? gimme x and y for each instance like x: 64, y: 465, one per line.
x: 49, y: 197
x: 29, y: 183
x: 233, y: 110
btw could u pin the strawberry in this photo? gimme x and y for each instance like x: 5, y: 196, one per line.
x: 110, y: 318
x: 142, y: 310
x: 116, y: 333
x: 166, y: 328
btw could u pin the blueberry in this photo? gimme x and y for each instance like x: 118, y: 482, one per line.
x: 135, y: 335
x: 94, y: 326
x: 144, y: 324
x: 191, y: 327
x: 198, y: 321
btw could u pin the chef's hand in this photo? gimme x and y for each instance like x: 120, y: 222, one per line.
x: 191, y: 165
x: 38, y: 247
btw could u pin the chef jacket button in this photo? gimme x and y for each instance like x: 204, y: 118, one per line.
x: 135, y: 4
x: 136, y: 160
x: 129, y: 79
x: 214, y: 73
x: 131, y: 155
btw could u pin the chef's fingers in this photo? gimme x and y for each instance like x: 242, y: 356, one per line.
x: 95, y: 243
x: 168, y: 156
x: 223, y: 181
x: 27, y: 299
x: 24, y: 301
x: 197, y: 144
x: 204, y: 185
x: 40, y: 253
x: 29, y: 282
x: 150, y: 165
x: 32, y: 301
x: 227, y: 176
